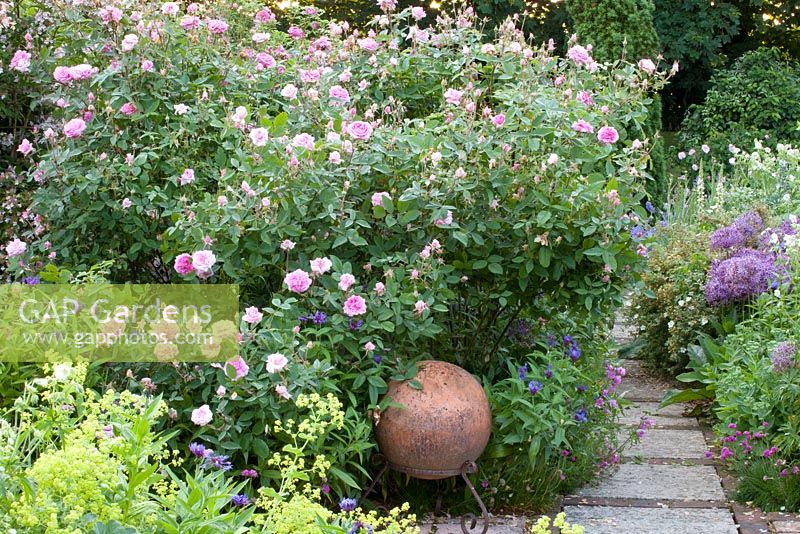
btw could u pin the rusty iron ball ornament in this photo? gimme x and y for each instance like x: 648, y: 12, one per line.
x: 440, y: 430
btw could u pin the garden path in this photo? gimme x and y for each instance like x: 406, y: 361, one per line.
x: 664, y: 485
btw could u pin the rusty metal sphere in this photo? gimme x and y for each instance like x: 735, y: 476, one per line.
x: 441, y: 427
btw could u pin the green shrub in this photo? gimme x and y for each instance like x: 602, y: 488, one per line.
x: 755, y: 98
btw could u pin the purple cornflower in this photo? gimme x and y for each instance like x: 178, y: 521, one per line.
x: 551, y: 341
x: 783, y: 356
x: 637, y: 233
x: 377, y: 358
x: 548, y: 373
x: 31, y: 280
x: 745, y: 274
x: 218, y: 461
x: 199, y: 450
x: 347, y: 504
x: 523, y: 372
x: 326, y: 489
x: 240, y: 500
x: 319, y: 318
x: 249, y: 473
x: 649, y: 207
x: 581, y: 389
x: 356, y: 324
x: 567, y: 340
x: 534, y: 387
x: 485, y: 483
x: 575, y: 353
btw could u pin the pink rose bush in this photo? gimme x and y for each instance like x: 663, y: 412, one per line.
x: 420, y: 219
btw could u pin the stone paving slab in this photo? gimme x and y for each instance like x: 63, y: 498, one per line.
x: 670, y: 443
x: 497, y: 525
x: 645, y: 481
x: 673, y: 410
x: 613, y: 520
x: 786, y: 527
x: 633, y: 416
x: 640, y: 391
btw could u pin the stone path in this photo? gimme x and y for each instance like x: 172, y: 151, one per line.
x: 665, y: 484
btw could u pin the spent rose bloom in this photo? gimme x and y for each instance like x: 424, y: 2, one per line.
x: 202, y: 416
x: 420, y: 306
x: 298, y: 281
x: 281, y: 390
x: 359, y: 130
x: 287, y: 244
x: 183, y: 264
x: 276, y: 362
x: 321, y: 265
x: 377, y: 198
x: 74, y: 128
x: 126, y: 203
x: 647, y: 65
x: 203, y: 261
x: 289, y: 91
x: 346, y: 281
x: 181, y: 109
x: 187, y: 177
x: 355, y: 305
x: 15, y: 247
x: 259, y: 136
x: 21, y: 62
x: 25, y: 147
x: 607, y: 135
x: 379, y: 289
x: 252, y: 315
x: 453, y: 96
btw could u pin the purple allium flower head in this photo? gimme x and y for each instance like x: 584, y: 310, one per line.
x: 745, y: 274
x: 741, y: 231
x: 534, y: 387
x: 347, y: 504
x: 240, y: 500
x: 783, y: 356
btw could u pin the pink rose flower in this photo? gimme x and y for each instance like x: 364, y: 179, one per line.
x: 321, y: 265
x: 15, y: 247
x: 25, y: 147
x: 607, y: 135
x: 499, y: 120
x: 183, y: 264
x: 355, y: 305
x: 359, y: 130
x: 129, y: 42
x: 379, y: 288
x: 369, y: 44
x: 420, y: 306
x: 259, y: 136
x: 579, y: 55
x: 346, y: 281
x: 128, y: 108
x: 295, y: 32
x: 452, y: 96
x: 369, y: 346
x: 265, y: 61
x: 170, y: 8
x: 335, y: 158
x: 190, y: 22
x: 276, y: 362
x: 418, y: 13
x: 126, y: 203
x: 647, y: 65
x: 297, y: 281
x: 74, y: 128
x: 377, y: 198
x: 303, y: 140
x: 582, y: 126
x: 339, y: 93
x: 147, y: 65
x: 287, y: 244
x: 62, y: 75
x: 203, y: 261
x: 217, y: 26
x: 239, y: 366
x: 21, y: 62
x: 187, y: 177
x: 202, y: 416
x: 252, y: 315
x: 281, y: 390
